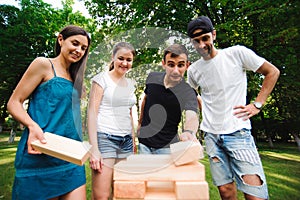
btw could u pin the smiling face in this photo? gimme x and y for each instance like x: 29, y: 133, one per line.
x: 74, y: 47
x: 204, y: 44
x: 175, y: 67
x: 122, y: 60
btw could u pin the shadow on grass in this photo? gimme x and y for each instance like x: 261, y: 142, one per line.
x: 281, y: 165
x: 283, y: 176
x: 7, y: 157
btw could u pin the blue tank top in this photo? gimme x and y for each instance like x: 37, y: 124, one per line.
x: 55, y: 106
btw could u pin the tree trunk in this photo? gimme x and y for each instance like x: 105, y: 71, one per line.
x: 12, y: 136
x: 297, y: 139
x: 271, y: 144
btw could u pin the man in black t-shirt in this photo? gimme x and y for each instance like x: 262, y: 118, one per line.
x: 167, y: 95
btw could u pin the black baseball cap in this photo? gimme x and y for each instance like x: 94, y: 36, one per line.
x: 203, y: 23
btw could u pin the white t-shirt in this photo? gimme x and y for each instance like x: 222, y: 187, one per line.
x: 223, y: 84
x: 114, y: 111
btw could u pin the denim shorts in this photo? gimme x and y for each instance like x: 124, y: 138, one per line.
x: 112, y: 146
x: 143, y: 149
x: 233, y: 155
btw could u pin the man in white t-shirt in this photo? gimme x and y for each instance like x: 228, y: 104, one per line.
x: 221, y: 76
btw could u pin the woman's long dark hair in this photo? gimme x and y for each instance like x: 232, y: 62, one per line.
x: 76, y: 69
x: 119, y: 46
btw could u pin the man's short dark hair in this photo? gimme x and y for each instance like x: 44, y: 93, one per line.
x: 175, y: 50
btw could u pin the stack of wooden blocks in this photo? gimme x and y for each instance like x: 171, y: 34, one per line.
x: 177, y: 176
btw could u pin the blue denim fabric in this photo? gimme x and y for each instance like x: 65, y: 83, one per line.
x: 143, y: 149
x: 112, y: 146
x: 232, y: 156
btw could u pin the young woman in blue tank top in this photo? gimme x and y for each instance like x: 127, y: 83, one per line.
x: 53, y: 86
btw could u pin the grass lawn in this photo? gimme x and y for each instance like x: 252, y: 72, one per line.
x: 281, y: 165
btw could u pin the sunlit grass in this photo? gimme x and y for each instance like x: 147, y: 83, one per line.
x: 7, y: 156
x: 281, y: 165
x: 284, y: 156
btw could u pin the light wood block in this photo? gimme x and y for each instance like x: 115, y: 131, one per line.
x: 160, y: 190
x: 162, y: 195
x: 129, y: 189
x: 192, y: 190
x: 149, y: 158
x: 64, y: 148
x: 158, y: 172
x: 186, y: 152
x: 163, y: 179
x: 167, y: 186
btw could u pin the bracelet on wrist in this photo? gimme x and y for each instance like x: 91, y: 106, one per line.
x: 190, y: 131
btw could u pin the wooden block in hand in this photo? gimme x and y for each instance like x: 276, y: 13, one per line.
x: 64, y: 148
x: 185, y: 152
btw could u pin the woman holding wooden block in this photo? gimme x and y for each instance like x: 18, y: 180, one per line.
x: 110, y: 123
x: 54, y: 86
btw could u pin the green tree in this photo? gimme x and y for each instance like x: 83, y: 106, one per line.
x: 270, y: 28
x: 28, y: 32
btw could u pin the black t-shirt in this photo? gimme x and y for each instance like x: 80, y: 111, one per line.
x: 163, y: 110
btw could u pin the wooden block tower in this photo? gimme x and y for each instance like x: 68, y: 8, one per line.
x: 175, y: 176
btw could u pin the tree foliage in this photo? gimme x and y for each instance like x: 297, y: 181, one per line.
x: 26, y: 33
x: 270, y: 28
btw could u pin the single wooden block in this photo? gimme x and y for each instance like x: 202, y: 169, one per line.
x: 64, y: 148
x: 129, y: 189
x: 162, y: 195
x: 160, y: 190
x: 149, y: 158
x: 158, y: 171
x: 186, y: 152
x: 192, y: 190
x: 160, y: 186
